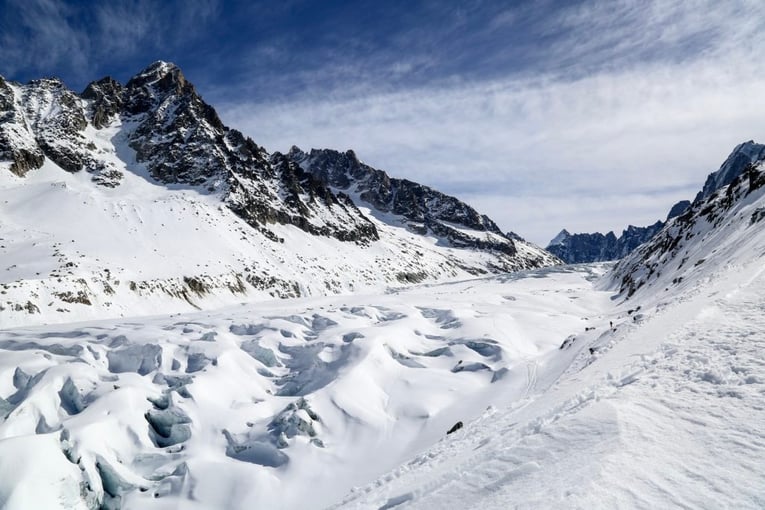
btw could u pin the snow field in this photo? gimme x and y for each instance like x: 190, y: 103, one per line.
x: 667, y: 413
x: 271, y: 405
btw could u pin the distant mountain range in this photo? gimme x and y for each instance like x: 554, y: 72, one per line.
x: 595, y: 247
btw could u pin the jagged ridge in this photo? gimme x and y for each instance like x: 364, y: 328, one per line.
x: 597, y: 247
x: 425, y: 210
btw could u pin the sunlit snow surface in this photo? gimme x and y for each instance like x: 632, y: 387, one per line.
x: 665, y: 411
x: 277, y: 404
x: 305, y: 403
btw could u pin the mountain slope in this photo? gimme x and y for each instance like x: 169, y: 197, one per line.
x: 714, y: 230
x: 669, y: 376
x: 423, y: 209
x: 596, y: 247
x: 133, y: 199
x: 663, y: 411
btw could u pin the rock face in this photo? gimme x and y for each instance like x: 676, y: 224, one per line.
x: 581, y: 248
x: 742, y: 156
x: 182, y: 141
x: 423, y: 209
x: 17, y: 143
x: 678, y: 209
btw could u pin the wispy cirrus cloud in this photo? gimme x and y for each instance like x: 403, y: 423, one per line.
x: 39, y: 31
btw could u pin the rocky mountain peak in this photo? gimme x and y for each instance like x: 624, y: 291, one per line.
x: 162, y: 75
x: 106, y: 95
x: 743, y: 155
x: 560, y: 238
x: 50, y: 83
x: 160, y: 85
x: 678, y: 209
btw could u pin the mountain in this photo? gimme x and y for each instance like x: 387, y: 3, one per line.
x: 742, y: 156
x: 423, y: 209
x: 596, y: 247
x: 578, y: 248
x: 134, y: 197
x: 716, y: 229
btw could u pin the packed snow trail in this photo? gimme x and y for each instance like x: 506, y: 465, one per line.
x: 670, y: 416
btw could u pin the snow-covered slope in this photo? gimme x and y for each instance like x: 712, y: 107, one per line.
x: 136, y: 199
x: 705, y: 239
x: 286, y: 404
x: 659, y: 406
x: 663, y: 411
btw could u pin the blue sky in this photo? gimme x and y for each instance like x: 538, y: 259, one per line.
x: 586, y: 115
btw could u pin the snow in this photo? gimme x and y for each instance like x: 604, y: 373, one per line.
x: 257, y: 403
x: 562, y: 236
x: 668, y: 414
x: 276, y: 404
x: 144, y: 362
x: 344, y: 401
x: 131, y: 250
